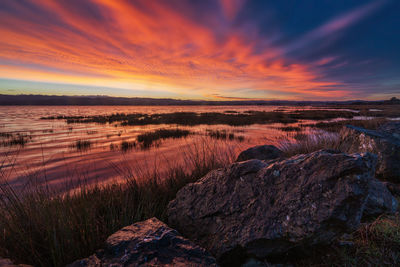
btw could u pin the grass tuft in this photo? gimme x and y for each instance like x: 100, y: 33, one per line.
x: 147, y: 139
x: 82, y: 145
x: 44, y: 228
x: 374, y: 244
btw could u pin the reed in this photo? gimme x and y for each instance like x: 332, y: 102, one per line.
x: 42, y: 227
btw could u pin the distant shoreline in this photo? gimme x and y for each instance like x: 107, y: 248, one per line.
x: 54, y: 100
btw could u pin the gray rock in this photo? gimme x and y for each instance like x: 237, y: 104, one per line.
x: 148, y: 243
x: 385, y: 142
x: 260, y: 209
x: 380, y: 200
x: 265, y: 152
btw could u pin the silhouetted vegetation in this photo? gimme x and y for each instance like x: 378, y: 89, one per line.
x: 290, y: 129
x: 335, y: 126
x: 82, y: 144
x: 372, y: 110
x: 125, y: 145
x: 14, y: 139
x: 212, y: 118
x: 224, y: 135
x: 147, y: 139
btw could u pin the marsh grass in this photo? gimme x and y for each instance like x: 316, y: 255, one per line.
x: 125, y: 146
x: 82, y: 145
x: 291, y: 129
x: 371, y: 110
x: 327, y: 135
x: 376, y: 243
x: 211, y: 118
x: 14, y: 139
x: 336, y: 126
x: 307, y: 143
x: 147, y: 139
x: 224, y: 135
x: 42, y: 227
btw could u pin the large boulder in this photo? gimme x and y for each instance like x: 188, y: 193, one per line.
x: 264, y: 152
x: 384, y: 142
x: 260, y: 209
x: 148, y: 243
x: 380, y: 200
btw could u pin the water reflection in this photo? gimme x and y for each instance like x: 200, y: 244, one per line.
x: 58, y: 152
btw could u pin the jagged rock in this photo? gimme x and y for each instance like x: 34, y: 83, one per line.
x: 9, y: 263
x: 385, y: 142
x: 264, y: 152
x: 380, y: 200
x: 260, y: 209
x: 148, y: 243
x: 393, y: 188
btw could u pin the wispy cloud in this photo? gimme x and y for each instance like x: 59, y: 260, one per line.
x: 154, y: 46
x: 336, y: 25
x: 231, y: 8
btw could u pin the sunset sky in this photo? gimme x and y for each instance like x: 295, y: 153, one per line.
x: 200, y: 49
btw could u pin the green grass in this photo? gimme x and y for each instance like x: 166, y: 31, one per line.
x: 42, y: 228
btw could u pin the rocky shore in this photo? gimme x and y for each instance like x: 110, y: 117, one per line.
x: 265, y: 207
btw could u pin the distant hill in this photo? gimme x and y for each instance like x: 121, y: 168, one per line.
x: 53, y: 100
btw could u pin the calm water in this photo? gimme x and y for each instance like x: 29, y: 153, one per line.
x: 51, y: 156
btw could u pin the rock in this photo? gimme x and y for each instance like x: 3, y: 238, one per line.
x: 252, y: 262
x: 265, y: 152
x: 380, y: 200
x: 148, y: 243
x: 9, y: 263
x: 260, y: 209
x: 393, y: 188
x: 385, y: 142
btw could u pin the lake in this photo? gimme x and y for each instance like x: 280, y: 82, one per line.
x: 51, y: 153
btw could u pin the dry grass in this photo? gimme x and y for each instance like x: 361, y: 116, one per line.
x: 373, y: 244
x: 42, y: 228
x: 307, y: 143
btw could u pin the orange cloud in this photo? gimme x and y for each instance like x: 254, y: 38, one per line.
x: 149, y: 45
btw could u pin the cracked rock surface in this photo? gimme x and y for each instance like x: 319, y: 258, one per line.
x: 265, y: 209
x: 148, y: 243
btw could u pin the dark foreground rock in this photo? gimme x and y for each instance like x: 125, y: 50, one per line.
x: 393, y: 188
x: 9, y: 263
x: 380, y: 200
x: 259, y: 209
x: 384, y: 142
x: 148, y: 243
x: 264, y: 152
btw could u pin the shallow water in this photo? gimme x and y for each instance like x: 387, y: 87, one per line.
x: 51, y: 156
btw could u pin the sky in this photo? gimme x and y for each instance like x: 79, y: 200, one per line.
x: 202, y: 49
